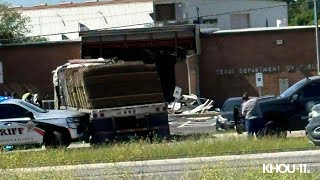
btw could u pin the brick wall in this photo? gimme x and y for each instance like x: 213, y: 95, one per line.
x: 229, y: 61
x: 31, y: 66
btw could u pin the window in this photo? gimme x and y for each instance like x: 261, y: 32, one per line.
x: 165, y: 12
x: 64, y: 37
x: 83, y: 27
x: 293, y: 88
x: 33, y: 107
x: 311, y: 90
x: 11, y: 111
x: 229, y: 105
x: 240, y: 21
x: 210, y: 21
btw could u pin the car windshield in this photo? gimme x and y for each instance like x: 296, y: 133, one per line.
x: 293, y: 88
x: 33, y: 107
x: 229, y: 105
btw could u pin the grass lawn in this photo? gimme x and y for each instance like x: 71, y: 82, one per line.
x: 193, y: 146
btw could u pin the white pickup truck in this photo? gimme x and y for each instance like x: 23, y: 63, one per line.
x: 24, y: 123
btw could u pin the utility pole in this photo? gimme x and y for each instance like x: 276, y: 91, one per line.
x: 198, y: 13
x: 315, y: 4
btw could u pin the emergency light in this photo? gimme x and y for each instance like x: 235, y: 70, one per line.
x: 3, y: 98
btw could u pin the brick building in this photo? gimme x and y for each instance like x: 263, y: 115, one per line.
x: 229, y: 60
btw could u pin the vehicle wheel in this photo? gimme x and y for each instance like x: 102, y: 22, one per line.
x: 218, y: 127
x: 314, y: 141
x: 159, y: 135
x: 271, y: 129
x: 281, y: 133
x: 56, y: 139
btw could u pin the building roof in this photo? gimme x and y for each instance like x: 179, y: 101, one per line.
x: 41, y: 43
x: 160, y: 29
x: 71, y: 4
x: 165, y: 36
x: 258, y: 29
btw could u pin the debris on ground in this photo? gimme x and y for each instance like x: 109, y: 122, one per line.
x: 192, y: 105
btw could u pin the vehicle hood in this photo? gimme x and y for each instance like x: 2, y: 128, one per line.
x: 271, y: 103
x: 58, y: 114
x: 227, y: 114
x: 270, y: 100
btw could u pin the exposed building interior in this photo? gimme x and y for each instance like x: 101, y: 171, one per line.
x: 160, y: 46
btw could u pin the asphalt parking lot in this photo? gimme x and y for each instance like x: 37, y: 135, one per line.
x: 183, y: 125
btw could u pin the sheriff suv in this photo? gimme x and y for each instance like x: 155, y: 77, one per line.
x: 24, y: 123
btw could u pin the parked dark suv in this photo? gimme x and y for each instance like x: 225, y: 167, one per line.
x: 225, y: 119
x: 289, y: 111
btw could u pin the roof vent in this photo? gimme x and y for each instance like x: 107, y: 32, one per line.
x: 64, y: 2
x: 44, y: 4
x: 15, y: 7
x: 91, y: 1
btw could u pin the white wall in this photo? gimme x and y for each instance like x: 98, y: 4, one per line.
x: 224, y: 7
x: 47, y: 21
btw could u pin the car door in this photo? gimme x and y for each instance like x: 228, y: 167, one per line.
x: 308, y: 95
x: 16, y: 127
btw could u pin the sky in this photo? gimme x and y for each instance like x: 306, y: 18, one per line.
x: 26, y: 3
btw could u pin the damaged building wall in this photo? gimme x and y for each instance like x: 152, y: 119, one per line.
x: 229, y: 61
x: 186, y: 75
x: 30, y: 66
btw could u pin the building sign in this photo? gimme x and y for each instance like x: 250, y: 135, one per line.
x: 177, y: 92
x: 266, y: 69
x: 259, y: 80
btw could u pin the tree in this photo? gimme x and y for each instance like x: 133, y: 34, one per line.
x: 300, y: 12
x: 14, y: 26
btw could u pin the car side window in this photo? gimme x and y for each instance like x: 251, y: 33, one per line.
x: 311, y: 90
x: 11, y: 111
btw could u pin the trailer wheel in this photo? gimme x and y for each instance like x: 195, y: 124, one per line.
x: 56, y: 139
x: 159, y: 135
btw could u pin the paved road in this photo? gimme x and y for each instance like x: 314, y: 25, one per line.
x: 177, y: 168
